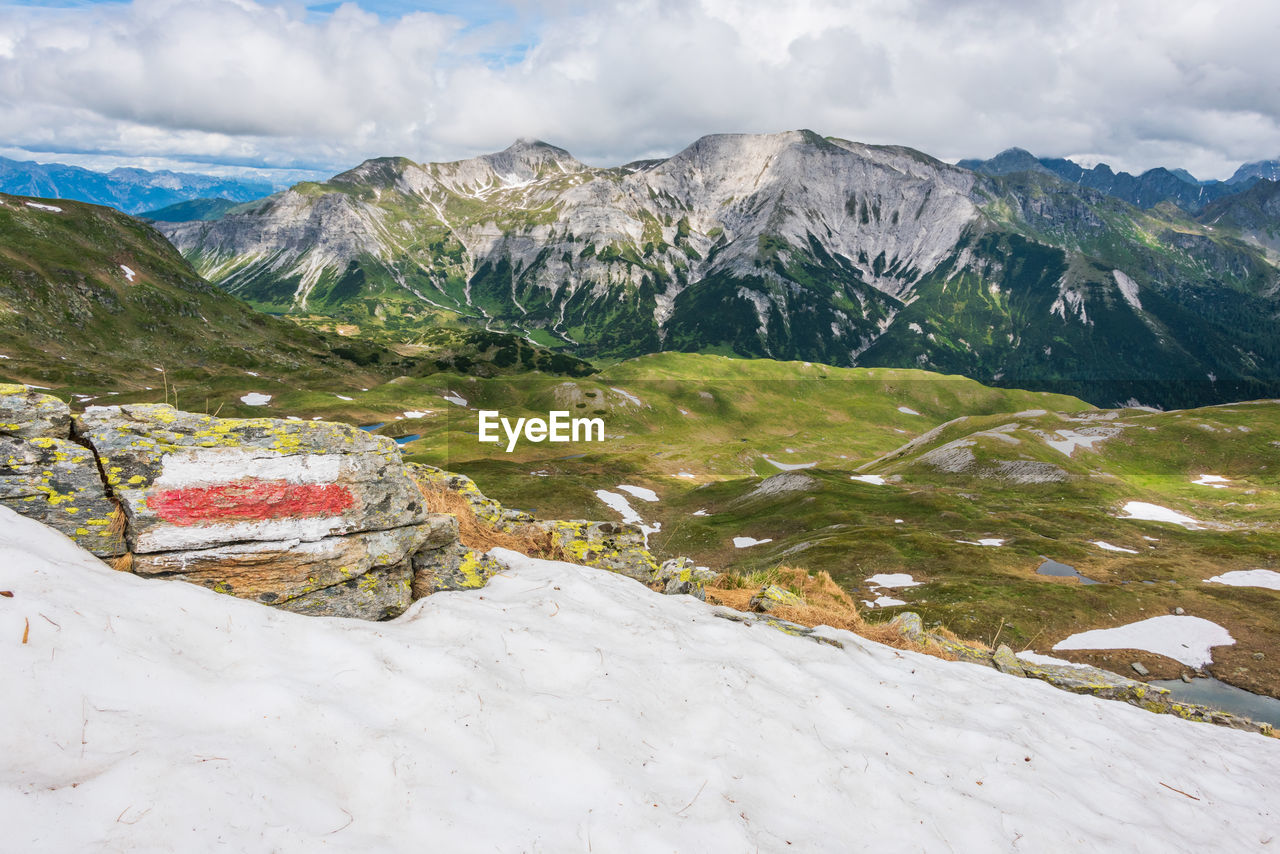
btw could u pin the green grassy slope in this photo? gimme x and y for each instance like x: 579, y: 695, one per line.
x: 960, y: 463
x: 71, y: 313
x: 978, y: 464
x: 96, y: 300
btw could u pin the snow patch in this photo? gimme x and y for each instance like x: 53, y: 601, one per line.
x: 1155, y: 513
x: 40, y: 207
x: 619, y: 504
x: 1266, y: 578
x: 748, y: 542
x: 343, y: 397
x: 873, y: 479
x: 907, y: 410
x: 893, y: 579
x: 1214, y: 480
x: 1069, y: 440
x: 1185, y: 639
x: 883, y: 602
x: 628, y: 395
x: 129, y: 274
x: 639, y: 492
x: 787, y: 466
x: 413, y: 413
x: 254, y: 398
x: 986, y: 541
x: 454, y: 398
x: 1105, y: 546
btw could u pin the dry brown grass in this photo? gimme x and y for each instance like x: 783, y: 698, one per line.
x: 118, y: 524
x: 116, y: 531
x: 826, y: 604
x: 475, y: 534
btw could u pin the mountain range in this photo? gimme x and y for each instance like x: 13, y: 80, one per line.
x: 133, y: 191
x: 1144, y: 191
x: 789, y: 245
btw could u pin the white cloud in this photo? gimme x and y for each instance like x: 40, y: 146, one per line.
x: 1137, y: 83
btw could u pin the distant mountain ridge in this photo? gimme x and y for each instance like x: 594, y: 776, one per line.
x: 130, y: 190
x: 1255, y: 213
x: 195, y: 209
x: 790, y: 246
x: 1144, y: 191
x: 1268, y: 169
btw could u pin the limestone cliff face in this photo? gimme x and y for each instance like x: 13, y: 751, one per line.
x: 787, y: 245
x: 534, y: 237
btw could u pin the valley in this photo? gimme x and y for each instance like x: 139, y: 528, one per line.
x: 1011, y: 484
x: 872, y: 473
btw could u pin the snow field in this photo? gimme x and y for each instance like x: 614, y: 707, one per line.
x: 559, y: 709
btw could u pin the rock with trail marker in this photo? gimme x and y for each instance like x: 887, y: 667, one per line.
x: 267, y: 509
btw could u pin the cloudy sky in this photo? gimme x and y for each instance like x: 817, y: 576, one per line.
x: 217, y: 85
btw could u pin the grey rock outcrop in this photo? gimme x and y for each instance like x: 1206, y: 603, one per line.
x: 28, y: 414
x: 444, y: 563
x: 771, y: 596
x: 779, y: 484
x: 679, y: 576
x: 785, y: 626
x: 48, y: 477
x: 1005, y: 661
x: 615, y: 546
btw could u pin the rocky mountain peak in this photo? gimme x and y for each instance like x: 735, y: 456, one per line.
x: 1268, y: 169
x: 375, y: 172
x: 529, y: 159
x: 1007, y: 162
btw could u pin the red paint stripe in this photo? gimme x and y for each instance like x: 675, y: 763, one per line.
x: 250, y: 501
